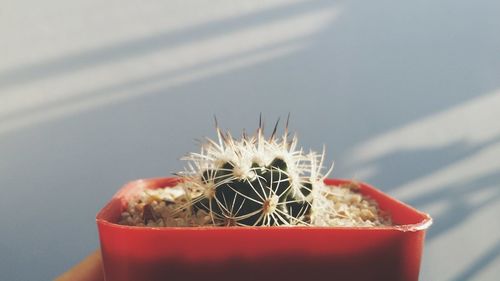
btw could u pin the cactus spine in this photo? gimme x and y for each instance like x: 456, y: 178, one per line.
x: 254, y: 180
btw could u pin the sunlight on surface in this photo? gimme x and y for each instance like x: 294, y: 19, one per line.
x: 463, y: 196
x: 55, y: 98
x: 479, y: 164
x: 134, y: 23
x: 153, y: 87
x: 474, y: 117
x: 460, y: 253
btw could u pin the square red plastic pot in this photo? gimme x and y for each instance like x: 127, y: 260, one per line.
x: 261, y: 253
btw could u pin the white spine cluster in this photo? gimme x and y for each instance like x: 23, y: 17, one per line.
x: 245, y: 168
x: 254, y: 181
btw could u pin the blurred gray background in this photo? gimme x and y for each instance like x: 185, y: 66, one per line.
x: 404, y: 94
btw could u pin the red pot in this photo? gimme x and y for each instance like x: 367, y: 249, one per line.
x: 262, y: 253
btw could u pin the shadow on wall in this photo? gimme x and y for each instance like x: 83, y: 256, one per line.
x: 137, y: 47
x: 446, y: 164
x: 479, y: 264
x: 394, y: 170
x: 367, y: 68
x: 246, y: 36
x: 458, y: 202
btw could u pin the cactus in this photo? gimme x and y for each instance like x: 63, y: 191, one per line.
x: 254, y: 180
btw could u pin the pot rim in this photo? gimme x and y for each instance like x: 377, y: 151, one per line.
x: 130, y: 187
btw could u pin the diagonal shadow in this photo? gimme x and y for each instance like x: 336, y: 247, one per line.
x: 455, y: 195
x: 420, y: 163
x: 479, y: 264
x: 459, y: 209
x: 163, y: 76
x: 147, y: 45
x: 424, y: 162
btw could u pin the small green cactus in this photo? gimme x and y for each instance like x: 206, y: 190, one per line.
x: 254, y: 181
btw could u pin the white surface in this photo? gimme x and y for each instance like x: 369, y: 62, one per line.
x: 94, y: 94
